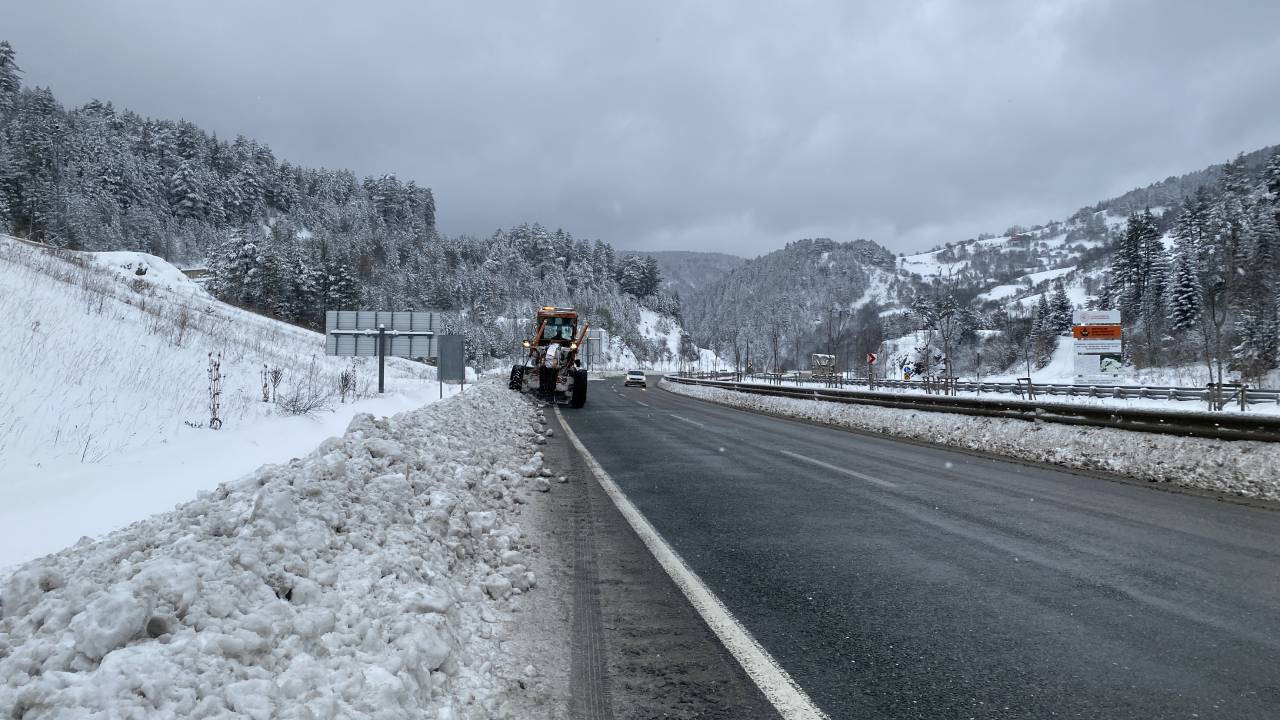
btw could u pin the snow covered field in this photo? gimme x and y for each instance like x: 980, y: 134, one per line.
x: 1238, y: 467
x: 104, y: 385
x: 378, y: 576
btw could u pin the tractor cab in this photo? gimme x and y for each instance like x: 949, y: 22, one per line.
x: 558, y: 329
x: 556, y: 325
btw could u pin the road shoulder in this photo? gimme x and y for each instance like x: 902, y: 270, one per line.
x: 658, y: 657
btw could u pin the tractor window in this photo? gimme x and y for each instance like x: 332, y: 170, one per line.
x: 558, y: 329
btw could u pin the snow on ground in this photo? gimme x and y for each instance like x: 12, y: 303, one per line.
x: 46, y: 505
x: 1038, y: 277
x: 927, y: 265
x: 104, y: 382
x: 1000, y: 292
x: 1239, y: 467
x: 377, y: 576
x: 1075, y: 293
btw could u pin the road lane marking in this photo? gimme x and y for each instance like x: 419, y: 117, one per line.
x: 834, y: 468
x: 685, y: 419
x: 640, y: 403
x: 791, y: 702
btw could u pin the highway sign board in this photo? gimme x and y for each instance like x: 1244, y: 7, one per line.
x: 407, y: 334
x: 368, y: 333
x: 1099, y: 345
x: 1096, y: 332
x: 1095, y: 317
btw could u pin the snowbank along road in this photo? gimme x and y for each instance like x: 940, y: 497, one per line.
x: 379, y: 576
x: 891, y: 579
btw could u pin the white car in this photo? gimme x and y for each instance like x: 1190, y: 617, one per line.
x: 635, y: 377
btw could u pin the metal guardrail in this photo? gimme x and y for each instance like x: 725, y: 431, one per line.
x: 1253, y: 396
x: 1220, y: 426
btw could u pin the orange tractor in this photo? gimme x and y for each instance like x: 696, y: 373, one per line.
x: 551, y: 368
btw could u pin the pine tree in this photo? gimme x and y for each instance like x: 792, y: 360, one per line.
x: 1221, y: 255
x: 8, y: 186
x: 1256, y: 296
x: 1044, y: 336
x: 10, y: 77
x: 185, y: 192
x: 1185, y: 295
x: 1061, y: 310
x: 1258, y: 330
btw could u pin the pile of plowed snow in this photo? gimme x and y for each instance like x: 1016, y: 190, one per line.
x: 371, y: 578
x: 1239, y: 467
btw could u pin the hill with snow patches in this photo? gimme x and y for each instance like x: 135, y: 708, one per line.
x: 850, y: 298
x: 104, y: 381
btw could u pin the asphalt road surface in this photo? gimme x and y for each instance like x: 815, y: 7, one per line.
x: 895, y: 580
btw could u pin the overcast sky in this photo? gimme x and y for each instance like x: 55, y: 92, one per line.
x: 731, y: 126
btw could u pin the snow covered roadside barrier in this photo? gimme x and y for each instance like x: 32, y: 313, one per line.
x: 372, y: 578
x: 1238, y: 467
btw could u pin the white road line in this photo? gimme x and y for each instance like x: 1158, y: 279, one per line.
x: 790, y: 700
x: 640, y: 403
x: 685, y: 419
x: 834, y: 468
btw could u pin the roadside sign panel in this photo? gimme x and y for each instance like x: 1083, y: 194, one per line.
x: 1098, y: 361
x: 1096, y: 332
x: 450, y: 365
x: 595, y: 348
x: 355, y: 333
x: 1095, y: 317
x: 1099, y: 345
x: 871, y: 358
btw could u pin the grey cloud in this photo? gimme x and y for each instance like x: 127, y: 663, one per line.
x: 726, y: 126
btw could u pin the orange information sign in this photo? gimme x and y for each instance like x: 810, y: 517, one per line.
x: 1096, y: 332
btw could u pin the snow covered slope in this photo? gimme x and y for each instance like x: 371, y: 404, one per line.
x: 662, y: 334
x: 104, y: 386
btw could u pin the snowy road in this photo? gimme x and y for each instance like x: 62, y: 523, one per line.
x: 896, y: 580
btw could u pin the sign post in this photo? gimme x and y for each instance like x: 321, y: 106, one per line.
x: 871, y: 373
x: 382, y: 358
x: 1099, y: 346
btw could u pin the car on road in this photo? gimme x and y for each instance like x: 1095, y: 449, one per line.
x: 635, y: 377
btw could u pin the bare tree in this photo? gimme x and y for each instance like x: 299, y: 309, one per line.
x: 939, y: 310
x: 835, y: 326
x: 775, y: 340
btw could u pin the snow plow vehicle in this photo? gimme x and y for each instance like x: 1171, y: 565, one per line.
x: 551, y: 369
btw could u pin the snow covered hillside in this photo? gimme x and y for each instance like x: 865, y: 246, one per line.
x: 105, y: 389
x: 380, y: 576
x: 1010, y: 296
x: 664, y: 339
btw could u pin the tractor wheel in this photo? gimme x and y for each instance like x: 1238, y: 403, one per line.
x: 578, y: 395
x: 517, y: 378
